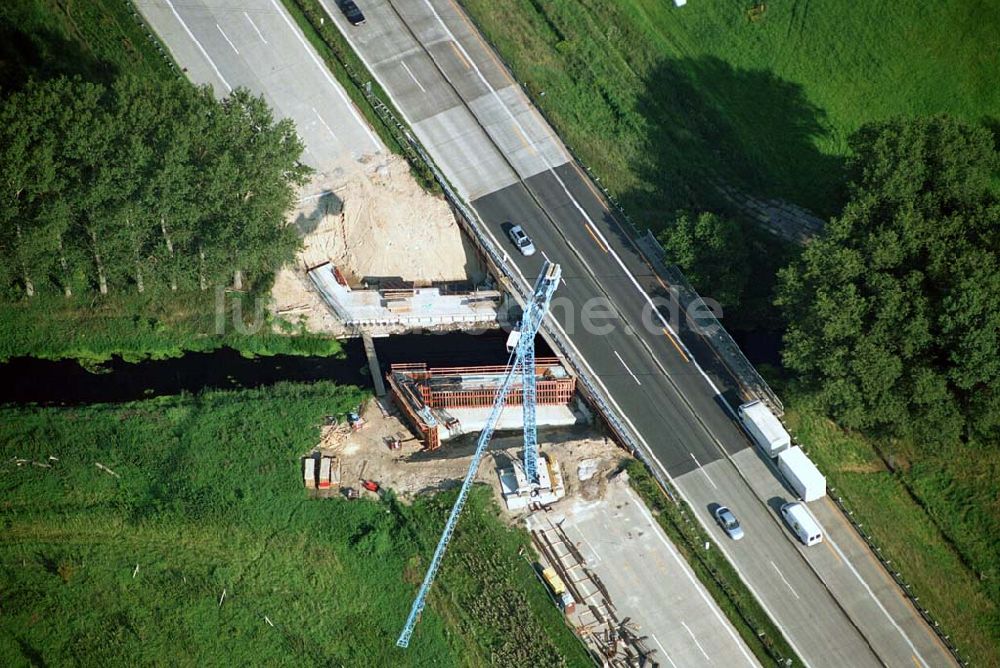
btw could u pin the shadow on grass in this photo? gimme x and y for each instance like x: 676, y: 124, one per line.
x: 709, y: 123
x: 43, y: 54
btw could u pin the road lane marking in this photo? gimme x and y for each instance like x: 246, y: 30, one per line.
x: 782, y: 576
x: 690, y: 633
x: 686, y: 569
x: 524, y: 140
x: 708, y: 477
x: 832, y: 551
x: 671, y: 337
x: 228, y: 41
x: 200, y: 47
x: 878, y: 603
x: 662, y: 649
x: 626, y: 368
x: 259, y: 33
x: 460, y: 52
x: 324, y: 123
x: 326, y: 75
x: 594, y: 237
x: 412, y: 76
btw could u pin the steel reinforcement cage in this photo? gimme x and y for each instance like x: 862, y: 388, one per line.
x: 435, y: 390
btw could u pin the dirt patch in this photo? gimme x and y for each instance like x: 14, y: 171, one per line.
x: 409, y: 471
x: 373, y: 221
x: 862, y: 467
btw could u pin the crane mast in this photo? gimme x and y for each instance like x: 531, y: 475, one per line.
x: 523, y: 361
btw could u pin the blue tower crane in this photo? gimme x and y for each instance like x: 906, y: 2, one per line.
x: 523, y: 360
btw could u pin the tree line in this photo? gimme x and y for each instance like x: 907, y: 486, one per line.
x: 142, y: 184
x: 893, y: 312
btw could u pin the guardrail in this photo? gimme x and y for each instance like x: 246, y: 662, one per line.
x: 897, y: 577
x: 726, y: 349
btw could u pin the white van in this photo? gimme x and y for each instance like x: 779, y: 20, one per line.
x: 802, y: 523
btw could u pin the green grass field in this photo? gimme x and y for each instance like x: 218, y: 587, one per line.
x: 659, y: 101
x: 210, y: 498
x: 93, y: 329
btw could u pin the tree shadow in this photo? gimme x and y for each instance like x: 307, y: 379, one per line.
x: 31, y: 53
x: 709, y: 124
x: 327, y: 204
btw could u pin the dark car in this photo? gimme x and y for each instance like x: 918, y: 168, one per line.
x: 352, y: 12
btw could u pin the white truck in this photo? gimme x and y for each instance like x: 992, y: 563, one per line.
x: 765, y: 429
x: 802, y: 474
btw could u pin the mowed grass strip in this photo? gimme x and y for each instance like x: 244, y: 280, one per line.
x: 208, y: 498
x: 662, y: 101
x: 157, y: 324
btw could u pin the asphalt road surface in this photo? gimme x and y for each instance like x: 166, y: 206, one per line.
x: 256, y: 44
x: 499, y: 153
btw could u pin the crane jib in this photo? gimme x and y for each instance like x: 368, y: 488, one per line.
x: 522, y: 363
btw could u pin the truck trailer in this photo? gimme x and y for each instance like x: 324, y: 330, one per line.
x: 802, y: 474
x: 766, y: 430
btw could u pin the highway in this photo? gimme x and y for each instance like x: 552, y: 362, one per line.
x: 833, y: 605
x: 256, y: 44
x: 501, y: 155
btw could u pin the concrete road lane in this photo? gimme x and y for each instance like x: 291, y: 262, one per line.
x: 850, y: 571
x: 768, y: 562
x: 648, y: 580
x: 255, y: 44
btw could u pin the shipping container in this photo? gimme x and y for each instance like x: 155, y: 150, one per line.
x: 309, y: 472
x: 324, y: 473
x: 802, y: 474
x: 765, y: 429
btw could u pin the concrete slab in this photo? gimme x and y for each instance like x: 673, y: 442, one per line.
x: 473, y: 420
x: 465, y: 153
x: 648, y: 580
x: 519, y: 131
x: 425, y: 307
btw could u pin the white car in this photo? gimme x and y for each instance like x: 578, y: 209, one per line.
x: 521, y: 240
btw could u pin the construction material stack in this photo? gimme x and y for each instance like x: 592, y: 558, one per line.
x: 309, y: 472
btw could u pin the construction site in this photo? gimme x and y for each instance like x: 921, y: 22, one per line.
x: 429, y: 428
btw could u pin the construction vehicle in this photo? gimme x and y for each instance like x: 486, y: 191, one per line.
x: 370, y: 485
x: 521, y: 363
x: 558, y: 588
